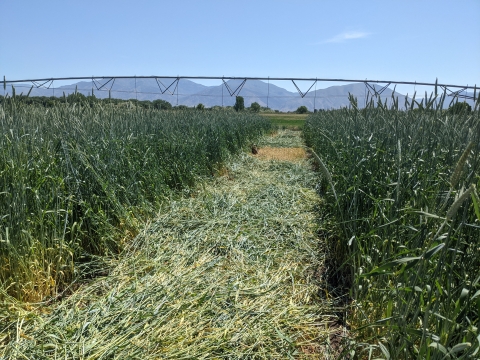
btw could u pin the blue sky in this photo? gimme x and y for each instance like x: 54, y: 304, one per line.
x: 397, y: 40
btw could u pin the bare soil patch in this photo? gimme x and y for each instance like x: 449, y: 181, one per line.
x: 282, y: 154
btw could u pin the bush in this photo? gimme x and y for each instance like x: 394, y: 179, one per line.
x: 161, y: 104
x: 460, y: 108
x: 255, y: 107
x: 302, y: 110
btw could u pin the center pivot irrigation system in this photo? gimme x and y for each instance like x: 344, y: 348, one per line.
x: 105, y: 83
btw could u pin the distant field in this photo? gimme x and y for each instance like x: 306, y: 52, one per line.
x: 291, y: 121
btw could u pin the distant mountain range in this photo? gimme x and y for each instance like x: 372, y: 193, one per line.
x: 191, y: 93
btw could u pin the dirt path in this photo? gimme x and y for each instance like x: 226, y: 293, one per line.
x: 228, y: 271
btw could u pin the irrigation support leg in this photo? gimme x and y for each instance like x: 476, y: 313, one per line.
x: 268, y: 91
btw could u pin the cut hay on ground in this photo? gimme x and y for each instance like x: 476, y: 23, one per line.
x: 281, y: 154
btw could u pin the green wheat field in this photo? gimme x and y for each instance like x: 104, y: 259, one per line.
x: 136, y: 233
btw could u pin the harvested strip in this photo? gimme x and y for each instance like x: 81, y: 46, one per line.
x: 227, y: 272
x: 282, y: 154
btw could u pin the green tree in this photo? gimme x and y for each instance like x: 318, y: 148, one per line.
x: 200, y: 107
x: 76, y: 97
x: 255, y: 107
x: 460, y: 107
x: 302, y: 110
x: 161, y: 104
x: 50, y: 103
x: 239, y: 103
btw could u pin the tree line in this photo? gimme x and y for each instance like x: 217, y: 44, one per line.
x: 79, y: 98
x: 76, y: 98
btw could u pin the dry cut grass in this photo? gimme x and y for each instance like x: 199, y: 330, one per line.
x: 282, y: 154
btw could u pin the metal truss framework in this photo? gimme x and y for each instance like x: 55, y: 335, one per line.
x: 101, y: 82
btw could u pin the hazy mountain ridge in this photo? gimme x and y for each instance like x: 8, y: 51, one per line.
x: 191, y: 93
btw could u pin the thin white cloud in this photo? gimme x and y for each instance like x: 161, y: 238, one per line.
x: 347, y: 35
